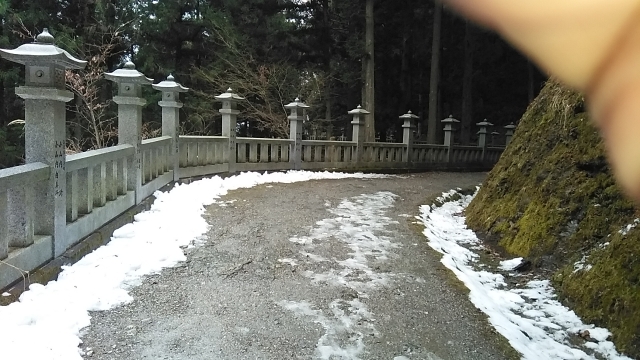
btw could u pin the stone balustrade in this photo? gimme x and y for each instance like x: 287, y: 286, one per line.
x: 76, y: 195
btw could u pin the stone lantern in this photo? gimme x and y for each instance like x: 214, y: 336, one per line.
x: 358, y: 123
x: 171, y: 105
x: 482, y: 133
x: 407, y: 134
x: 448, y: 129
x: 230, y: 113
x: 297, y: 116
x: 509, y: 134
x: 358, y: 130
x: 44, y: 97
x: 130, y: 103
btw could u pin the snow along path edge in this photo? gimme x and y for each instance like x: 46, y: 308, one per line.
x: 47, y: 320
x: 530, y: 318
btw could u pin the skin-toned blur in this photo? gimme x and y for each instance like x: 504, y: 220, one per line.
x: 591, y: 45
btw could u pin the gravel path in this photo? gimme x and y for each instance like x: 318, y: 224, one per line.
x: 332, y: 269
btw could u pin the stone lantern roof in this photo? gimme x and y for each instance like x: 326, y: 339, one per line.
x: 128, y: 74
x: 484, y: 123
x: 450, y: 120
x: 229, y: 95
x: 42, y: 51
x: 170, y: 85
x: 296, y: 104
x: 358, y: 110
x: 409, y: 115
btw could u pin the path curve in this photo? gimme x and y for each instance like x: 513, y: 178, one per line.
x: 329, y: 269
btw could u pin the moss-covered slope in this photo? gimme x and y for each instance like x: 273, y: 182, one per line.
x: 552, y: 198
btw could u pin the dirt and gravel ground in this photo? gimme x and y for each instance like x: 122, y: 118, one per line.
x: 250, y: 292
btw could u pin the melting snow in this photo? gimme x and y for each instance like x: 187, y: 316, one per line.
x: 625, y: 230
x: 510, y: 264
x: 360, y: 223
x: 534, y: 323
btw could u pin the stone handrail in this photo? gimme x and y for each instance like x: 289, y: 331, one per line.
x: 19, y: 188
x: 97, y: 189
x: 155, y: 157
x: 262, y: 154
x: 92, y: 157
x: 19, y: 176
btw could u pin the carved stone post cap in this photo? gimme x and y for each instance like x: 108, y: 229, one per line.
x: 495, y: 133
x: 170, y: 85
x: 229, y: 95
x: 484, y: 123
x: 408, y: 115
x: 450, y: 120
x: 296, y: 104
x: 128, y: 74
x: 42, y: 52
x: 358, y: 110
x: 510, y: 126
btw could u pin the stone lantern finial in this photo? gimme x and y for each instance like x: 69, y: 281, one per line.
x: 45, y: 37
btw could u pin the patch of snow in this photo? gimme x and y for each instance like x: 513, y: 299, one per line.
x: 509, y: 265
x: 6, y: 294
x: 288, y: 261
x: 534, y: 323
x: 54, y: 314
x: 581, y: 265
x: 405, y: 215
x: 359, y: 223
x: 625, y: 230
x: 348, y: 320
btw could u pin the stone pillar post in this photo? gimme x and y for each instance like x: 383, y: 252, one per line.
x: 407, y: 135
x: 230, y: 113
x: 171, y: 105
x: 494, y: 135
x: 448, y: 134
x: 482, y: 133
x: 44, y: 97
x: 358, y: 131
x: 296, y: 118
x: 130, y: 103
x: 482, y: 136
x: 509, y: 133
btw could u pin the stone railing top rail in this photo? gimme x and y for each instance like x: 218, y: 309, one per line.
x: 155, y: 142
x: 327, y: 143
x: 193, y: 138
x: 429, y: 146
x: 246, y: 140
x: 385, y: 144
x: 94, y: 157
x: 22, y: 175
x: 466, y: 147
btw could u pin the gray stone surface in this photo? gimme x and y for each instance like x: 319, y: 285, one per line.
x: 225, y: 301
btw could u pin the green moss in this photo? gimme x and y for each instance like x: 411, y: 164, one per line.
x: 552, y: 196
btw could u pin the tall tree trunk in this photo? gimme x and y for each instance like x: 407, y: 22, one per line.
x: 368, y: 91
x: 467, y: 85
x: 432, y: 122
x: 326, y: 24
x: 328, y: 103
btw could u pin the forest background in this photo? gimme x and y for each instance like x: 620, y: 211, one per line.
x: 330, y: 53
